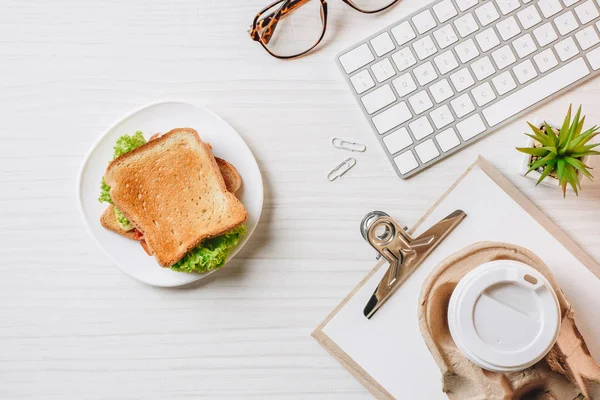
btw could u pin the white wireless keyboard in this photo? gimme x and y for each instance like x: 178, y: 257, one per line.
x: 457, y: 70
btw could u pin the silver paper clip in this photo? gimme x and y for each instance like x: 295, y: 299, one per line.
x: 347, y: 145
x: 403, y: 252
x: 341, y: 169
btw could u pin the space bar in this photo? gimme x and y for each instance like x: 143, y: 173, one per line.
x: 537, y: 91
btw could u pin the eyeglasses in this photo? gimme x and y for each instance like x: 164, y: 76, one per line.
x: 292, y: 28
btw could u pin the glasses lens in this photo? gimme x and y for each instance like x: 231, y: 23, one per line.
x: 372, y: 5
x: 298, y: 29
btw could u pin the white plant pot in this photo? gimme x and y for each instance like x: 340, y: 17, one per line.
x: 535, y: 175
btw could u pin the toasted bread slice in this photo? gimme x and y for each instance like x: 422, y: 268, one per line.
x: 172, y: 191
x: 109, y: 221
x: 233, y: 182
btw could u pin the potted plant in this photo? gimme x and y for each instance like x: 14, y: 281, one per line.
x: 560, y: 154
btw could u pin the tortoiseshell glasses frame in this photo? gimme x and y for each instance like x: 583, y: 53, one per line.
x: 263, y: 27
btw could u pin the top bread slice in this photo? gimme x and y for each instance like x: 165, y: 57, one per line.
x: 233, y: 182
x: 172, y: 191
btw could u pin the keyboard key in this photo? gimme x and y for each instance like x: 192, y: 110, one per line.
x: 504, y: 83
x: 529, y: 95
x: 362, y: 81
x: 508, y: 28
x: 441, y: 116
x: 524, y: 45
x: 487, y: 13
x: 503, y: 57
x: 465, y: 4
x: 545, y: 34
x: 403, y: 33
x: 545, y: 60
x: 466, y: 50
x: 529, y: 17
x: 406, y: 162
x: 420, y: 102
x: 487, y: 39
x: 483, y: 68
x: 549, y: 7
x: 445, y: 62
x: 462, y: 79
x: 424, y: 21
x: 566, y: 49
x: 466, y: 25
x: 594, y: 58
x: 441, y: 91
x: 427, y: 151
x: 470, y: 127
x: 383, y: 70
x: 569, y: 2
x: 392, y: 117
x: 566, y: 23
x: 483, y: 94
x: 445, y: 36
x: 587, y: 38
x: 462, y: 105
x: 398, y: 140
x: 424, y: 47
x: 586, y: 12
x: 425, y: 73
x: 525, y: 71
x: 382, y: 44
x: 444, y: 10
x: 404, y: 59
x: 507, y: 6
x: 404, y: 84
x: 447, y: 140
x: 421, y: 128
x: 356, y: 58
x: 378, y: 99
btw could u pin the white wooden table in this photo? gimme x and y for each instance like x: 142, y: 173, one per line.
x: 73, y: 326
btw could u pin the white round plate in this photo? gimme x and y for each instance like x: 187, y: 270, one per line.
x: 162, y: 117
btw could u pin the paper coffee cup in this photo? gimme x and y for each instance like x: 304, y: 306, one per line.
x: 504, y: 316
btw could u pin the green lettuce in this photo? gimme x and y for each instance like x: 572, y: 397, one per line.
x: 125, y: 144
x: 122, y: 220
x: 211, y: 253
x: 104, y: 192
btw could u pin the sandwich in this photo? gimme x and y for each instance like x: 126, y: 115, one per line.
x: 174, y: 197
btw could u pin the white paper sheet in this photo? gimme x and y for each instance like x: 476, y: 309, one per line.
x: 389, y: 346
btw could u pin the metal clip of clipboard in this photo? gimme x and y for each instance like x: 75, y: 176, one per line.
x: 403, y: 252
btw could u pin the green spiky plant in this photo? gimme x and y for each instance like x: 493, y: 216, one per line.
x: 560, y: 151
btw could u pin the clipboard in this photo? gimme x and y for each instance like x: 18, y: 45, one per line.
x: 387, y: 353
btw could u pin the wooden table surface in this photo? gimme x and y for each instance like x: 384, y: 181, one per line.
x: 73, y: 326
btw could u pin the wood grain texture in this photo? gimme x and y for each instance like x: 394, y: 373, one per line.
x: 73, y: 326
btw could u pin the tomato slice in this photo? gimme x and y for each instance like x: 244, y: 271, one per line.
x: 145, y: 246
x: 137, y: 235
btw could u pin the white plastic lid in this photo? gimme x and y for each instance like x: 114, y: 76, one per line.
x: 504, y: 316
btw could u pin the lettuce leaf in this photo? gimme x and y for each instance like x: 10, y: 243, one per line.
x: 124, y: 144
x: 122, y: 220
x: 211, y: 253
x: 104, y: 193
